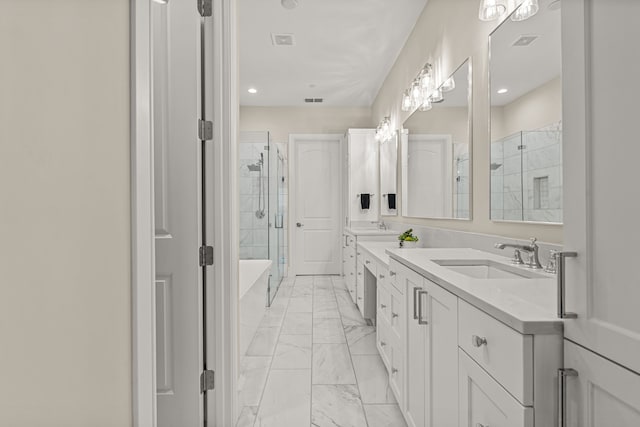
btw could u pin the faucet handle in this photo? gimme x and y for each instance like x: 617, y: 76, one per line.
x: 552, y: 266
x: 533, y: 241
x: 517, y: 257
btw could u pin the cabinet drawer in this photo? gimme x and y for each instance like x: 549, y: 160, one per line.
x: 506, y: 354
x: 383, y: 275
x: 370, y: 264
x: 397, y: 318
x: 393, y: 280
x: 396, y: 371
x: 483, y: 402
x: 384, y: 305
x: 382, y: 343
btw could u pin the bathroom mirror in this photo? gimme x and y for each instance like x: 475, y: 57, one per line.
x: 389, y: 176
x: 526, y: 117
x: 436, y: 154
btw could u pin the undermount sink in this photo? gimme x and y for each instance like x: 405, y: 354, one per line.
x: 486, y: 269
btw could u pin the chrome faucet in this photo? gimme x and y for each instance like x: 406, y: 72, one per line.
x: 531, y: 249
x: 381, y: 225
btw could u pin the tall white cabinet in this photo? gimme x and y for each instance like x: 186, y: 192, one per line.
x: 362, y: 172
x: 601, y: 65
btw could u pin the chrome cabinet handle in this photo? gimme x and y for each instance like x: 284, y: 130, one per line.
x: 477, y: 341
x: 394, y: 315
x: 367, y: 262
x: 392, y: 273
x: 394, y: 371
x: 351, y: 256
x: 420, y: 320
x: 359, y: 274
x: 560, y: 257
x: 562, y: 394
x: 383, y: 306
x: 360, y: 298
x: 382, y: 343
x: 482, y: 425
x: 359, y: 253
x: 380, y: 276
x: 415, y: 302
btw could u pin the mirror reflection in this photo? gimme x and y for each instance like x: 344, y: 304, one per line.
x: 388, y: 175
x: 436, y: 179
x: 526, y: 118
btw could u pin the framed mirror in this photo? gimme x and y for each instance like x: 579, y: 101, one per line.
x: 526, y: 117
x: 436, y: 153
x: 389, y: 176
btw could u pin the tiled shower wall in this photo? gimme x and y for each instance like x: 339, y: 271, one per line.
x: 254, y: 231
x: 526, y: 176
x: 461, y: 187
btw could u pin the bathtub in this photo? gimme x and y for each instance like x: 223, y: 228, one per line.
x: 252, y: 293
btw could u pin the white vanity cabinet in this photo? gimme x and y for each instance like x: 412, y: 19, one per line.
x: 600, y: 217
x: 349, y: 263
x: 362, y: 176
x: 432, y: 349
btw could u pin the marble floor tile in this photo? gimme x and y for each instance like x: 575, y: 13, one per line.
x: 302, y: 291
x: 304, y: 280
x: 328, y: 331
x: 384, y: 416
x: 325, y: 308
x: 273, y: 317
x: 300, y: 305
x: 351, y: 316
x: 264, y: 342
x: 253, y: 375
x: 373, y: 379
x: 247, y: 416
x: 293, y: 352
x: 332, y: 364
x: 361, y: 339
x: 287, y: 400
x: 297, y: 324
x: 336, y: 405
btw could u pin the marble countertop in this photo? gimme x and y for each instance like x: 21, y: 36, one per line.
x: 361, y: 231
x: 378, y: 250
x: 527, y: 305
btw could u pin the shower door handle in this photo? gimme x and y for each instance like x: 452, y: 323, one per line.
x: 299, y: 224
x: 279, y: 221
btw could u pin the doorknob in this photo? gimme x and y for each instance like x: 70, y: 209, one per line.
x: 299, y: 224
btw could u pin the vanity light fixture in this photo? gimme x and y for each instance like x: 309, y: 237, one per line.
x: 383, y: 131
x: 252, y: 90
x: 491, y: 10
x: 527, y: 9
x: 420, y: 93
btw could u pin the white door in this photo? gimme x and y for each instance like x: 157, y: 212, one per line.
x: 602, y: 394
x: 175, y: 29
x: 601, y: 155
x: 317, y: 181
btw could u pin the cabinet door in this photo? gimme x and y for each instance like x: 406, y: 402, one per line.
x: 601, y: 203
x: 417, y: 356
x: 484, y: 403
x: 603, y: 394
x: 441, y: 312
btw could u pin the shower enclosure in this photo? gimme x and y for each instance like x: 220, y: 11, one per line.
x: 263, y: 204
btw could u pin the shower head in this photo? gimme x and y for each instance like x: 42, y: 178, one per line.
x: 256, y: 167
x: 495, y: 166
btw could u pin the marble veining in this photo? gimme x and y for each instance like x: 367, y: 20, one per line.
x: 373, y: 379
x: 328, y: 331
x: 361, y: 339
x: 337, y: 405
x: 384, y: 416
x: 293, y: 352
x: 332, y: 364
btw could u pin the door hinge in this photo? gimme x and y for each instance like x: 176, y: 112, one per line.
x: 206, y: 256
x: 205, y: 130
x: 207, y: 380
x: 205, y: 7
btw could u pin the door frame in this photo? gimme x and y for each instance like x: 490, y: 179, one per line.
x: 222, y: 302
x: 293, y: 138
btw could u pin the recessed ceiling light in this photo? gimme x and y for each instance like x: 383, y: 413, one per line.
x: 289, y: 4
x: 161, y: 1
x: 501, y: 91
x: 252, y: 90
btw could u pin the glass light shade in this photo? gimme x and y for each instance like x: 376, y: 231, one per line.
x: 406, y: 101
x: 491, y: 10
x: 436, y: 96
x: 416, y: 94
x: 448, y: 85
x: 527, y: 9
x: 426, y: 105
x: 425, y: 79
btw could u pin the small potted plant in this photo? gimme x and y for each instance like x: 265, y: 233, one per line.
x: 408, y: 240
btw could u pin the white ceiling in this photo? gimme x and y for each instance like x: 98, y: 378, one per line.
x: 343, y: 49
x: 521, y: 69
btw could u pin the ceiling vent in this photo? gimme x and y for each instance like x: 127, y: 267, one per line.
x: 524, y: 40
x: 313, y: 100
x: 283, y: 39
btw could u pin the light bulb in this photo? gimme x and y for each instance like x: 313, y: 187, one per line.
x: 436, y: 96
x: 526, y: 10
x: 416, y: 94
x: 406, y: 101
x: 425, y: 79
x: 491, y: 10
x: 426, y: 105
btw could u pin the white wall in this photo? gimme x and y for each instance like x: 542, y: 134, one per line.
x: 281, y: 121
x: 445, y: 35
x: 65, y: 333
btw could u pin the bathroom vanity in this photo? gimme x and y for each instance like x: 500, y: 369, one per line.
x: 468, y: 339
